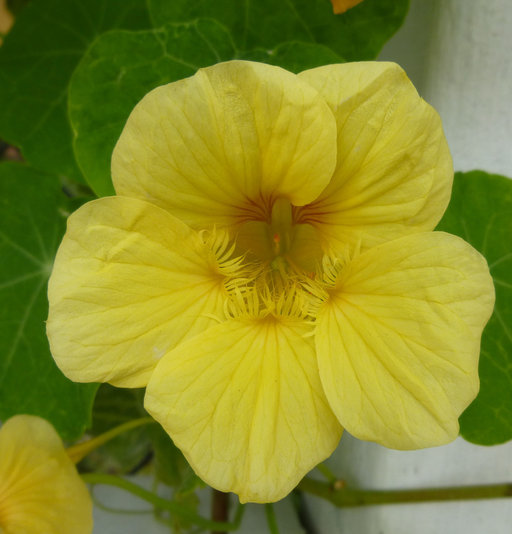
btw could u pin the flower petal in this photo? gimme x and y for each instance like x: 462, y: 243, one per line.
x: 40, y: 489
x: 217, y: 147
x: 398, y: 340
x: 130, y: 281
x: 394, y: 171
x: 244, y: 402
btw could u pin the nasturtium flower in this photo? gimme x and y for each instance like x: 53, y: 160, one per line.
x: 269, y: 270
x: 40, y: 489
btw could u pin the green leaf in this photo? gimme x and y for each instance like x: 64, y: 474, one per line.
x: 129, y: 450
x: 480, y: 212
x: 358, y: 34
x: 15, y: 6
x: 295, y: 56
x: 134, y: 448
x: 33, y: 213
x: 122, y: 66
x: 36, y: 63
x: 171, y: 467
x: 119, y: 69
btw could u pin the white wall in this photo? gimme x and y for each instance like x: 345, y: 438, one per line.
x: 457, y: 52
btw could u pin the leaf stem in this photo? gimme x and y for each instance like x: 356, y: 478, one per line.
x: 327, y: 473
x: 346, y: 497
x: 302, y: 511
x: 80, y: 450
x: 271, y: 519
x: 159, y: 502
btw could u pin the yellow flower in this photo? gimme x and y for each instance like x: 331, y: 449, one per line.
x: 40, y: 490
x: 340, y: 6
x: 6, y: 19
x: 269, y: 267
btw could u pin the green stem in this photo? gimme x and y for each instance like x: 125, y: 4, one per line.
x: 80, y: 450
x: 328, y: 474
x: 302, y: 511
x: 173, y: 507
x: 271, y: 518
x: 346, y: 497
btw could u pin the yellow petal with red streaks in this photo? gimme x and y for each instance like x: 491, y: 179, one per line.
x: 394, y: 170
x: 216, y: 148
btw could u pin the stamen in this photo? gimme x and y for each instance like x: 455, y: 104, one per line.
x: 272, y: 295
x: 336, y: 266
x: 218, y: 241
x: 235, y: 271
x: 261, y: 289
x: 329, y: 271
x: 242, y: 302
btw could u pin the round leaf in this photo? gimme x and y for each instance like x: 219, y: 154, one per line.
x: 32, y: 221
x: 479, y: 212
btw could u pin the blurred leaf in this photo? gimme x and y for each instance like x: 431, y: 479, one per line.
x: 33, y: 213
x: 130, y: 450
x: 172, y: 469
x: 295, y: 56
x: 171, y: 466
x: 356, y: 35
x: 36, y: 63
x: 480, y: 212
x: 121, y: 67
x: 15, y: 6
x: 118, y: 70
x: 113, y: 407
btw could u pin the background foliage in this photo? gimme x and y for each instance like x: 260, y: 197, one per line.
x: 480, y: 212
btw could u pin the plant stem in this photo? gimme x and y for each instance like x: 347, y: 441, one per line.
x: 219, y: 508
x: 346, y: 497
x: 80, y: 450
x: 301, y: 509
x: 328, y: 474
x: 159, y: 502
x: 271, y: 519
